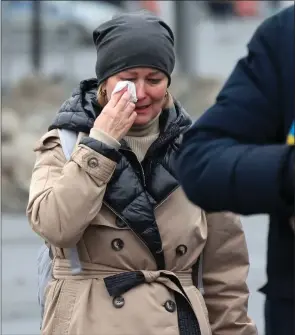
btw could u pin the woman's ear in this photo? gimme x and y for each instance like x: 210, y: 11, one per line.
x: 102, y: 95
x: 168, y: 101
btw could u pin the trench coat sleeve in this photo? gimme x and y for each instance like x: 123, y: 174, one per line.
x: 225, y: 270
x: 65, y: 196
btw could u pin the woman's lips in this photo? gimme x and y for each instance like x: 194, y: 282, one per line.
x: 141, y: 109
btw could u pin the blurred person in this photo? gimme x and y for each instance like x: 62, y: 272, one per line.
x: 247, y: 8
x: 220, y: 9
x: 142, y: 245
x: 275, y: 4
x: 151, y: 6
x: 221, y: 12
x: 239, y: 156
x: 118, y: 3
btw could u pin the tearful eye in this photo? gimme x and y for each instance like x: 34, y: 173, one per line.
x: 128, y: 79
x: 154, y: 81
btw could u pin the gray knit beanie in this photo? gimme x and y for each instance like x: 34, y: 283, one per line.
x: 133, y: 40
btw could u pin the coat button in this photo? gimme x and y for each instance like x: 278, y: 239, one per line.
x: 118, y: 302
x: 170, y: 306
x: 120, y: 223
x: 181, y: 250
x: 93, y: 163
x: 117, y: 244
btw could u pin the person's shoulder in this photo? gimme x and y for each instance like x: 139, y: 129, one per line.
x: 285, y: 22
x: 286, y: 16
x: 49, y: 140
x: 274, y: 35
x: 278, y: 25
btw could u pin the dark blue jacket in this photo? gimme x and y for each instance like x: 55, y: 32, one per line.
x: 235, y: 156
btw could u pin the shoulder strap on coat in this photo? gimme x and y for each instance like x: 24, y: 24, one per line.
x: 68, y: 141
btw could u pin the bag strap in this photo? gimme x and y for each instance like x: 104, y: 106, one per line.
x: 200, y: 274
x: 68, y: 141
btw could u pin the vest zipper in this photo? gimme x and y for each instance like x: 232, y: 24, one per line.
x: 142, y: 174
x: 144, y: 180
x: 139, y: 164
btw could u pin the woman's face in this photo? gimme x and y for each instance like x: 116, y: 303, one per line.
x: 151, y: 87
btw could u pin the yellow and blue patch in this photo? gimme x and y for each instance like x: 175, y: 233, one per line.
x: 291, y: 135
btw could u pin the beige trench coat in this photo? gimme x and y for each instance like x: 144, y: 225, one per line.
x: 66, y: 209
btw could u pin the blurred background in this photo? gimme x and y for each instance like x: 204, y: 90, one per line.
x: 46, y: 51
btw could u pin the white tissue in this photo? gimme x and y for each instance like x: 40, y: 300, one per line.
x: 130, y: 86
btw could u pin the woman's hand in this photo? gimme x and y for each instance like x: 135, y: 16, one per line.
x: 117, y: 116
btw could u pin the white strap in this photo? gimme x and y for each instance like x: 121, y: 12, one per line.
x: 200, y: 275
x: 68, y: 141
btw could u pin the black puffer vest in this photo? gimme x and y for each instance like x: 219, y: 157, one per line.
x: 143, y: 186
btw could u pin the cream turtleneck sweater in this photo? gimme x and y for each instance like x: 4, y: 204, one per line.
x: 139, y: 138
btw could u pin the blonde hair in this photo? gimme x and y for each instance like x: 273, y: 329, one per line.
x: 103, y: 99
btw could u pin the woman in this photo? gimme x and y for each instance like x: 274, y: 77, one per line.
x: 118, y: 199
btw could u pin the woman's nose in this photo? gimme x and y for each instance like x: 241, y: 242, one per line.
x: 140, y: 91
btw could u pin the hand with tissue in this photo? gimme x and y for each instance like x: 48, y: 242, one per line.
x: 118, y: 116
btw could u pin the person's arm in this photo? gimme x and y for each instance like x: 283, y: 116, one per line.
x: 225, y: 270
x: 66, y: 196
x: 229, y: 160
